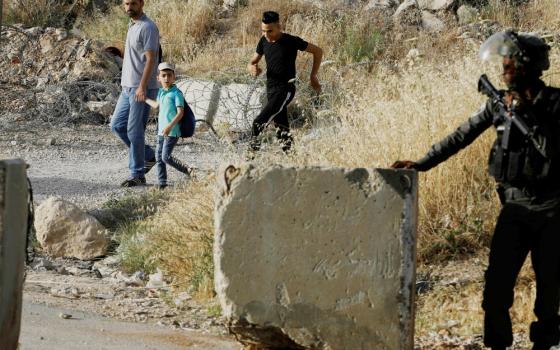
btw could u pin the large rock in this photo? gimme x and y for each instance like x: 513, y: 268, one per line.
x: 63, y: 229
x: 408, y: 14
x: 317, y: 258
x: 436, y: 5
x: 203, y: 96
x: 380, y: 4
x: 431, y: 22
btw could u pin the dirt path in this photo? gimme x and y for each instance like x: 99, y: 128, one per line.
x: 85, y: 164
x: 88, y: 331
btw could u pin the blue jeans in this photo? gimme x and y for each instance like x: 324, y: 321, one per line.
x: 129, y: 124
x: 164, y: 149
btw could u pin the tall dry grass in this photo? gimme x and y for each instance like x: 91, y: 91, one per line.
x: 185, y: 26
x: 535, y: 15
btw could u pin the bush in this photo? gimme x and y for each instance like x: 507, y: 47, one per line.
x: 42, y: 13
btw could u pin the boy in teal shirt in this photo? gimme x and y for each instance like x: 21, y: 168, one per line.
x: 171, y: 105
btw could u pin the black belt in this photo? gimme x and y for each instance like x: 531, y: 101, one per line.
x: 515, y: 193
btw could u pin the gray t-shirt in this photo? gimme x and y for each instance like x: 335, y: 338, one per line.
x: 143, y: 35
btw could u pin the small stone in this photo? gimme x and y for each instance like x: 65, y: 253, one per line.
x: 156, y: 280
x: 51, y: 141
x: 64, y: 316
x: 13, y: 143
x: 61, y: 34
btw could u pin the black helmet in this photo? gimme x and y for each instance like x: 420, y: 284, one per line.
x: 528, y: 50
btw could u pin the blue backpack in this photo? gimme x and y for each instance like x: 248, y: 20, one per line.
x: 187, y: 123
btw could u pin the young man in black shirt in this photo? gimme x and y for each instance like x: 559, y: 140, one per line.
x: 280, y: 51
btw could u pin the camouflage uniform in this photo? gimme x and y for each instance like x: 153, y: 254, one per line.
x: 529, y: 188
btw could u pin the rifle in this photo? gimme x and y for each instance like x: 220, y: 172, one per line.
x: 508, y: 116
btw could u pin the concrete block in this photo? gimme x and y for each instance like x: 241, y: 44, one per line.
x: 317, y: 258
x: 203, y: 96
x: 239, y: 105
x: 233, y: 106
x: 13, y: 236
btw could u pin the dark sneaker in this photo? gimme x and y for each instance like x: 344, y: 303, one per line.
x: 149, y: 164
x: 190, y: 173
x: 161, y: 187
x: 133, y: 182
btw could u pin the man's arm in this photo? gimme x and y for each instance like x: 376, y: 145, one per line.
x: 146, y: 74
x: 463, y: 136
x: 317, y: 53
x: 253, y: 66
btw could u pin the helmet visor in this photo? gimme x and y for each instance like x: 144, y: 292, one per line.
x: 501, y: 44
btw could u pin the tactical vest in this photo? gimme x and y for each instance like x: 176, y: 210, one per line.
x: 514, y: 160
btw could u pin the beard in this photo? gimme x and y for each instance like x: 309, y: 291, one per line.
x: 132, y: 13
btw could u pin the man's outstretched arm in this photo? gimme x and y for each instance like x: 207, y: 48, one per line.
x: 317, y: 53
x: 253, y: 66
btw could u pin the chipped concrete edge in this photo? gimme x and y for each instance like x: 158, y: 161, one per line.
x: 408, y: 274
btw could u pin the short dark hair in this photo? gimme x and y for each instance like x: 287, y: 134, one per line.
x: 270, y: 17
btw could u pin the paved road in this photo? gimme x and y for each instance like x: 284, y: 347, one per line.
x: 44, y: 329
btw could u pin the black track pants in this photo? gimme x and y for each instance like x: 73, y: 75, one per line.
x: 276, y: 111
x: 521, y: 229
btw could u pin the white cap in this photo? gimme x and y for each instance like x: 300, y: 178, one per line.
x: 166, y: 65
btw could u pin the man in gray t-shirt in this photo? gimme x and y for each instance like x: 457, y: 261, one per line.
x: 139, y: 81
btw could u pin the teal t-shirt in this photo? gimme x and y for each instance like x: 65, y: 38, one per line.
x: 169, y: 100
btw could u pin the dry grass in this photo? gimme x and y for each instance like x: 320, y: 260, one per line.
x: 460, y: 305
x: 53, y: 13
x: 536, y: 15
x: 184, y: 26
x: 177, y: 239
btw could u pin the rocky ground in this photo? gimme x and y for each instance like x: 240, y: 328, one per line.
x: 84, y: 164
x: 101, y: 288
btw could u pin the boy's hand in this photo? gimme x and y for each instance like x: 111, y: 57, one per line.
x: 152, y: 103
x: 167, y: 130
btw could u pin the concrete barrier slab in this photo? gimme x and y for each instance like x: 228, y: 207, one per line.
x: 239, y: 105
x: 202, y: 96
x: 13, y: 236
x: 232, y: 106
x: 317, y: 258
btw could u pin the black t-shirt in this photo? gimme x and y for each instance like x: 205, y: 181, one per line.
x: 280, y: 57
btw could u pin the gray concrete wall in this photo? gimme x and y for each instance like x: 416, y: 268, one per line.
x: 317, y: 258
x: 13, y: 232
x: 230, y: 106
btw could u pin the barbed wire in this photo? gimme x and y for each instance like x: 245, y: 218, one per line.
x: 226, y: 102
